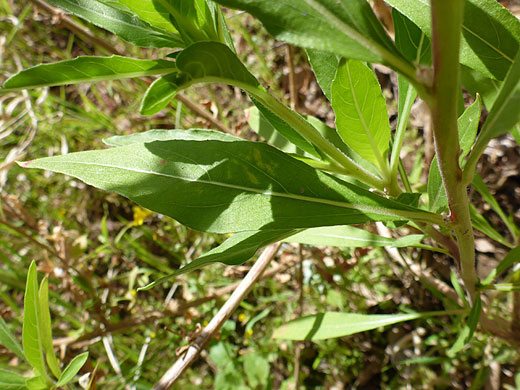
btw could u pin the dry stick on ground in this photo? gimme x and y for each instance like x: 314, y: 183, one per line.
x: 177, y: 369
x: 173, y: 309
x: 31, y: 238
x: 422, y: 273
x: 293, y: 93
x: 71, y: 25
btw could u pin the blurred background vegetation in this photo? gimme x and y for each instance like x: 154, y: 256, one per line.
x: 98, y: 248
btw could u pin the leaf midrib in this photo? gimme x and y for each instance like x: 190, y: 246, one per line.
x: 421, y: 215
x: 120, y: 21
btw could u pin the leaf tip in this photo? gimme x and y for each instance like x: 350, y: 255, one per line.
x: 24, y: 164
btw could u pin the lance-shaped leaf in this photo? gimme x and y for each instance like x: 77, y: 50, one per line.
x: 479, y: 185
x: 152, y: 12
x: 128, y: 27
x: 490, y: 33
x: 9, y: 341
x: 340, y: 236
x: 410, y: 40
x: 334, y: 324
x: 347, y: 28
x: 203, y: 62
x: 504, y: 114
x: 509, y: 260
x: 360, y: 108
x: 223, y: 187
x: 468, y: 328
x: 235, y: 250
x: 349, y: 236
x: 12, y: 381
x: 31, y: 332
x: 72, y: 369
x: 482, y: 225
x: 86, y: 70
x: 158, y: 95
x: 324, y: 65
x: 46, y: 329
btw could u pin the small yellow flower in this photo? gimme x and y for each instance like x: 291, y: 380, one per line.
x: 153, y: 335
x: 241, y: 317
x: 140, y: 214
x: 249, y: 333
x: 133, y: 292
x: 205, y: 323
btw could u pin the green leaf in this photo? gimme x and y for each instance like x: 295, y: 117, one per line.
x: 168, y: 135
x: 509, y: 260
x: 286, y: 130
x: 410, y: 40
x: 158, y: 95
x: 86, y: 70
x: 46, y: 329
x: 411, y: 240
x: 215, y: 62
x: 224, y: 187
x: 468, y: 126
x: 339, y: 236
x: 31, y: 333
x: 260, y: 125
x: 458, y: 288
x: 324, y: 65
x: 348, y: 29
x: 235, y: 250
x: 360, y: 108
x: 482, y: 225
x: 334, y: 324
x: 476, y: 83
x: 192, y: 18
x: 257, y: 370
x: 437, y: 199
x: 490, y: 33
x: 36, y: 383
x: 504, y: 114
x: 9, y: 341
x: 479, y: 185
x: 468, y: 329
x: 126, y: 26
x: 72, y: 369
x: 151, y: 12
x: 201, y: 62
x: 11, y: 381
x: 265, y: 128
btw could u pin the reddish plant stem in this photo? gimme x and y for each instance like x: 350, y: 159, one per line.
x: 447, y: 18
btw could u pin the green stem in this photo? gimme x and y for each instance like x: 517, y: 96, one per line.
x: 401, y: 127
x: 304, y: 128
x: 313, y: 136
x: 447, y: 18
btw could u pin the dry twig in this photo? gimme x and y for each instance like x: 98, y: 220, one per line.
x: 177, y: 369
